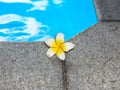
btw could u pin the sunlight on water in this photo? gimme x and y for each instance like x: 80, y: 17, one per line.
x: 36, y: 20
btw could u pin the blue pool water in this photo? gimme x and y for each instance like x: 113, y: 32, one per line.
x: 36, y: 20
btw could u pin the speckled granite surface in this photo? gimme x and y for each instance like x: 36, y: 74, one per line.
x: 108, y: 9
x: 94, y: 64
x: 24, y: 66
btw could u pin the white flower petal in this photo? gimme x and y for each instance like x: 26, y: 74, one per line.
x: 50, y: 42
x: 68, y: 46
x: 61, y: 54
x: 60, y: 38
x: 51, y: 52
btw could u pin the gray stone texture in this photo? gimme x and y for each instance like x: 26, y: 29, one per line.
x: 108, y: 9
x: 94, y: 64
x: 24, y: 66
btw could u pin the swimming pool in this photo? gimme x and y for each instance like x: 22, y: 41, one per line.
x: 36, y: 20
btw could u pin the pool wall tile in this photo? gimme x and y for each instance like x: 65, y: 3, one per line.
x: 108, y: 9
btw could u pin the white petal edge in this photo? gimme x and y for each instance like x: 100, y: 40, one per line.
x: 49, y: 41
x: 69, y: 46
x: 61, y: 56
x: 60, y: 36
x: 50, y: 53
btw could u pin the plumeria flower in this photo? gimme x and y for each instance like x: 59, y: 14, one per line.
x: 58, y: 46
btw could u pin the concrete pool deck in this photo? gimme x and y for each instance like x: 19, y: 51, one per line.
x: 94, y: 64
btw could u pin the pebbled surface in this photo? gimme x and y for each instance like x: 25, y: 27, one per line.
x: 108, y: 9
x: 24, y: 66
x: 94, y: 64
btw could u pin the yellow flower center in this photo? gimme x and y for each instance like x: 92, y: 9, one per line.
x: 58, y: 46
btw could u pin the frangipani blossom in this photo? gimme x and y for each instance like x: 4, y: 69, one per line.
x: 58, y: 46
